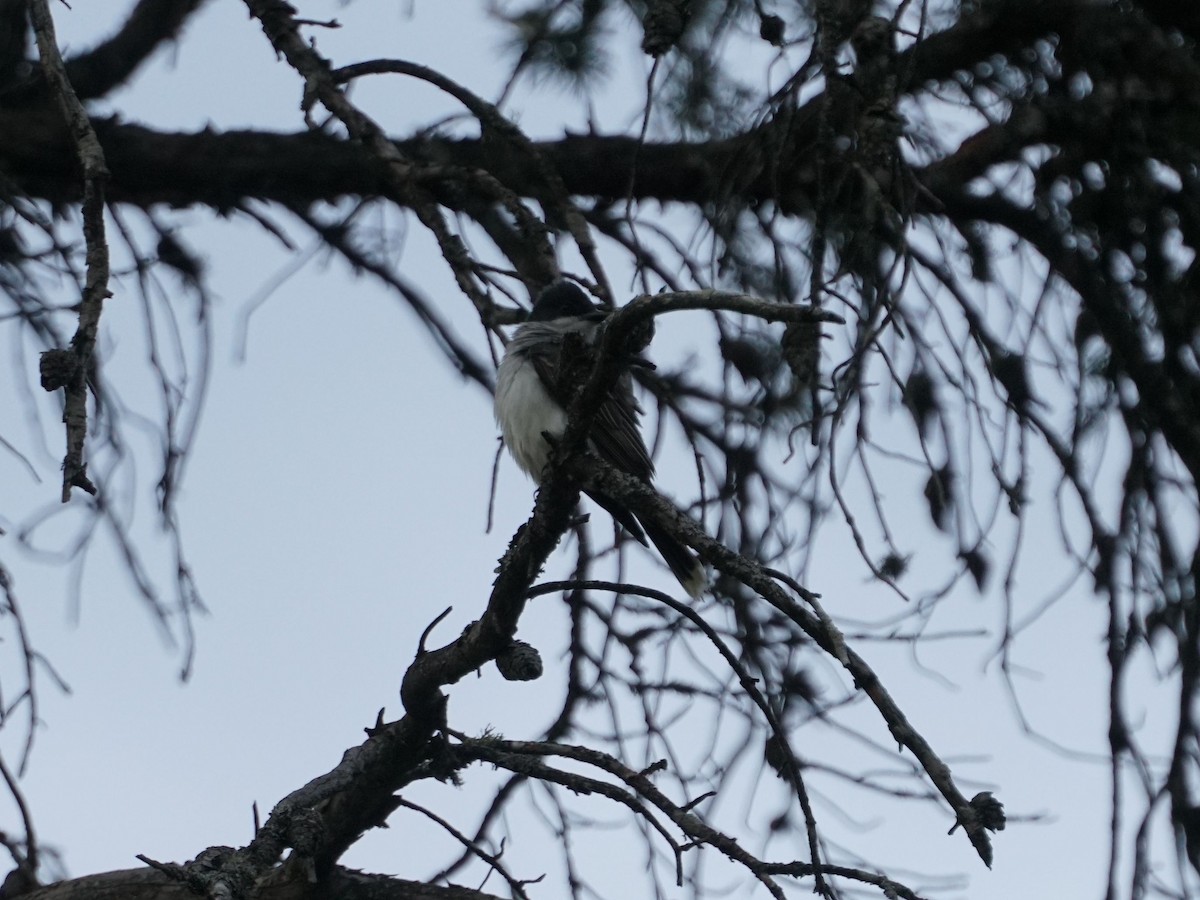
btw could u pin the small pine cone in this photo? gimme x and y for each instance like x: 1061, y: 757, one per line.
x: 663, y: 25
x: 58, y: 368
x: 776, y: 753
x: 802, y: 352
x: 771, y: 29
x: 520, y: 662
x: 990, y: 811
x: 920, y: 396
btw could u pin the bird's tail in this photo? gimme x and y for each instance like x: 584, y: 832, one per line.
x: 679, y: 559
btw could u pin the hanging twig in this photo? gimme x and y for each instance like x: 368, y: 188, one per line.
x: 62, y: 368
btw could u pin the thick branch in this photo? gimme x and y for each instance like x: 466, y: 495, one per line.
x: 112, y: 63
x: 342, y: 884
x: 770, y: 163
x: 221, y: 169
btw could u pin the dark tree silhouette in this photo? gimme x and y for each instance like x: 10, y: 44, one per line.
x: 982, y: 215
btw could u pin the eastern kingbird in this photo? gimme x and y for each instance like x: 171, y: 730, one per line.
x: 532, y: 400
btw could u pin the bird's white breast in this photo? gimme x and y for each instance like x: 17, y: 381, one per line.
x: 524, y: 411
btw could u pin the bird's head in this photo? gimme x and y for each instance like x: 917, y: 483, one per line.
x: 562, y: 300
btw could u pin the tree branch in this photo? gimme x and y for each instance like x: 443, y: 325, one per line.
x: 95, y: 291
x: 342, y: 884
x: 645, y: 501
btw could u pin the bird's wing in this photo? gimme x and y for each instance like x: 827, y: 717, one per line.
x: 614, y: 433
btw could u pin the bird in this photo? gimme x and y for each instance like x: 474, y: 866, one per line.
x: 532, y: 397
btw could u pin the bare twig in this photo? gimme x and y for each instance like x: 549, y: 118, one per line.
x: 30, y: 862
x: 745, y: 680
x: 95, y: 292
x: 643, y: 500
x: 493, y: 860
